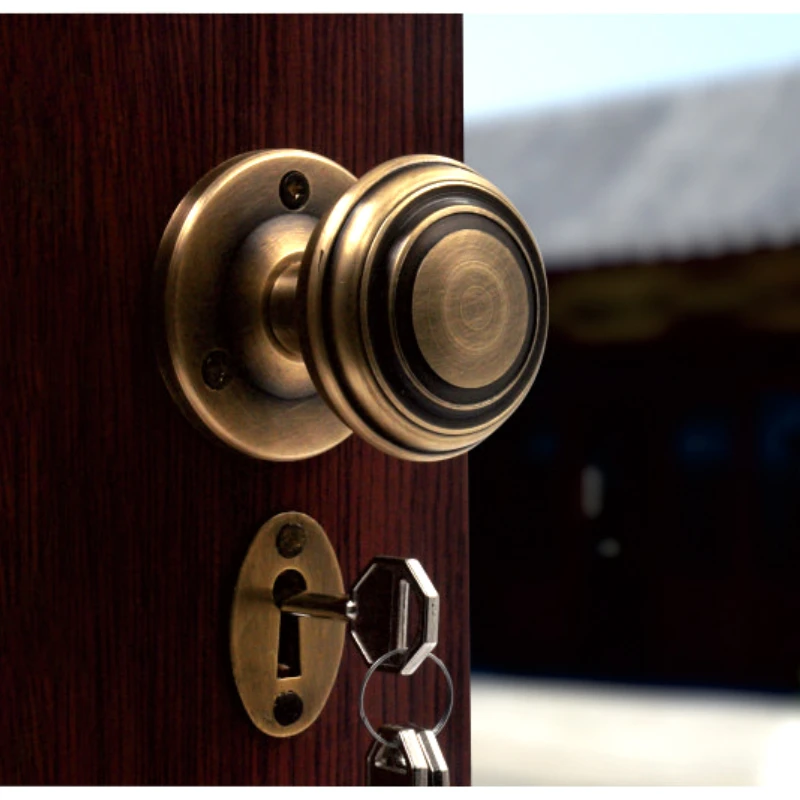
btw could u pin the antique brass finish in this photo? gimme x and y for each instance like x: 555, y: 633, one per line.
x: 420, y: 285
x: 470, y: 326
x: 412, y: 302
x: 229, y: 242
x: 263, y: 283
x: 286, y: 706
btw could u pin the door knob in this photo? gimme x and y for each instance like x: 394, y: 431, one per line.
x: 297, y: 304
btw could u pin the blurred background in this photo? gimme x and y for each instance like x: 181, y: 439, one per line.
x: 636, y: 524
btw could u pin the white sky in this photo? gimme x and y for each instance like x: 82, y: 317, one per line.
x: 512, y: 63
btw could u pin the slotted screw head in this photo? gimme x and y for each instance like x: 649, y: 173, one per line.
x: 288, y: 708
x: 291, y: 540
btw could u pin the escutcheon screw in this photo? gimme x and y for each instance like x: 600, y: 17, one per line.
x: 291, y: 540
x: 288, y: 708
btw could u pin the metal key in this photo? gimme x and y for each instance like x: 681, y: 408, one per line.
x: 438, y: 771
x: 401, y: 763
x: 407, y: 762
x: 378, y: 612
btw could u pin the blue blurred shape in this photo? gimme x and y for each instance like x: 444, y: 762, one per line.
x: 779, y: 431
x: 703, y: 442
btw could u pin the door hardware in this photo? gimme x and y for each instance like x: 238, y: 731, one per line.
x: 408, y: 754
x: 297, y: 304
x: 290, y: 613
x: 411, y: 757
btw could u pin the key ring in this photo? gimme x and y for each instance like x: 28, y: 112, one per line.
x: 375, y: 665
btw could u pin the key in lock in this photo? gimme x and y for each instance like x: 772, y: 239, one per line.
x: 378, y: 612
x: 291, y: 613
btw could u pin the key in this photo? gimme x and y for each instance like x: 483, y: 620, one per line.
x: 382, y: 595
x: 378, y: 612
x: 438, y: 771
x: 403, y: 763
x: 409, y: 763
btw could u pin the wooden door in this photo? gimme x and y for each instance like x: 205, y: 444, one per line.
x: 122, y: 528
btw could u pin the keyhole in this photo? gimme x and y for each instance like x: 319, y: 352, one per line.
x: 288, y: 583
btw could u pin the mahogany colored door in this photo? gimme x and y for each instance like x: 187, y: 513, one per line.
x: 122, y: 529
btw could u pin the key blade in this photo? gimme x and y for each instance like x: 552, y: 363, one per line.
x: 438, y: 771
x: 402, y: 764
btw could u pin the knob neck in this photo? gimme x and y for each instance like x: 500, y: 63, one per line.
x: 262, y: 306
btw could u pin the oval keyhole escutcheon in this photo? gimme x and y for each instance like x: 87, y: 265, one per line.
x: 284, y: 665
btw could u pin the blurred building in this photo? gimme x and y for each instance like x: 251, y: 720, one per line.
x: 639, y: 518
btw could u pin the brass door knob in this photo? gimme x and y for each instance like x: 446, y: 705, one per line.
x: 299, y: 304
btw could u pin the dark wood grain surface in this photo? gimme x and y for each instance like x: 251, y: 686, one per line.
x: 121, y: 528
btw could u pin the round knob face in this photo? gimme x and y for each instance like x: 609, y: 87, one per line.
x: 425, y: 308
